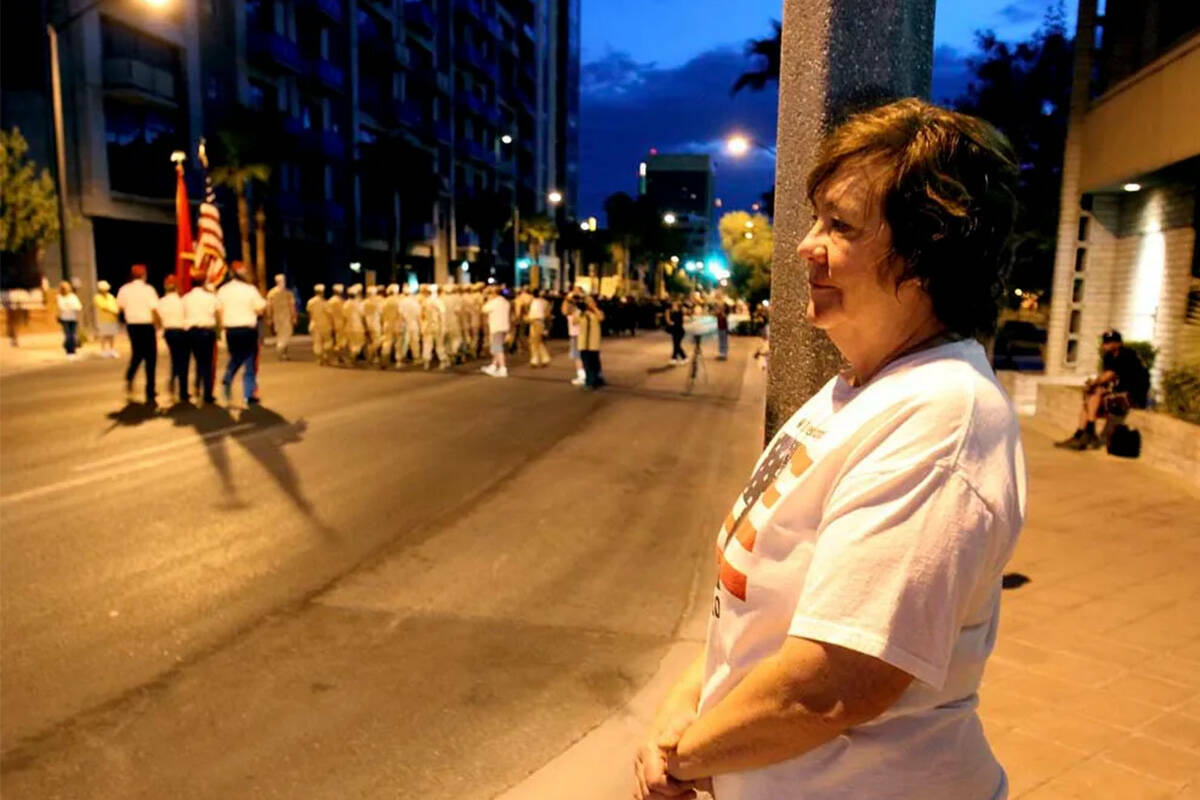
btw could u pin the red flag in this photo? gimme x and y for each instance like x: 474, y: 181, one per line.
x: 184, y: 255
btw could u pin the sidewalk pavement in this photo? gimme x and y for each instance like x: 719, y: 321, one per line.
x: 1094, y: 688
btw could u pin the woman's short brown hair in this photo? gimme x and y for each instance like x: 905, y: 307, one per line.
x: 949, y: 197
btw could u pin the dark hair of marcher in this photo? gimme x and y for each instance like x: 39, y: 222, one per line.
x: 949, y: 197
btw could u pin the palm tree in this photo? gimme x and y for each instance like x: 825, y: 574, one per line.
x: 769, y: 51
x: 536, y: 232
x: 238, y: 172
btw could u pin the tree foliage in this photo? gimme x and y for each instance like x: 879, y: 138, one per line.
x: 766, y: 53
x: 28, y: 200
x: 749, y: 256
x: 536, y: 232
x: 1024, y: 89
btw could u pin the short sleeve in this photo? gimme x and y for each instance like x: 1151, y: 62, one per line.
x: 898, y: 558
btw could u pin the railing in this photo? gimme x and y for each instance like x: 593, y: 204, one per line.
x: 274, y: 47
x: 131, y: 73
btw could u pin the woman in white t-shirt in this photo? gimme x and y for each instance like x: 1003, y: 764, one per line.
x: 68, y: 317
x: 858, y: 574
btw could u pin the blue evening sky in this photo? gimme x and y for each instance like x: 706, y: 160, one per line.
x: 656, y: 73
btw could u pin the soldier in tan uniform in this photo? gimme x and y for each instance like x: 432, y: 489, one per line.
x: 433, y: 332
x: 373, y: 316
x: 356, y: 325
x: 410, y: 311
x: 320, y: 325
x: 281, y: 314
x: 452, y: 304
x: 393, y: 324
x: 337, y: 316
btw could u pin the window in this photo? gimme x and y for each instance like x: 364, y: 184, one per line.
x: 1076, y: 321
x: 256, y: 98
x: 1077, y: 291
x: 137, y: 135
x: 1080, y: 259
x: 1072, y: 351
x: 1083, y: 228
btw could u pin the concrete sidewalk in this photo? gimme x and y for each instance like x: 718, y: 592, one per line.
x: 1094, y: 689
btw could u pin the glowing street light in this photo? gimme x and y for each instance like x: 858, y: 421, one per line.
x: 1132, y: 187
x: 506, y: 139
x: 749, y: 235
x: 583, y: 226
x: 555, y: 197
x: 737, y: 145
x: 669, y: 218
x: 749, y: 223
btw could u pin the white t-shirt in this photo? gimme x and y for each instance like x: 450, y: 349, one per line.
x: 538, y: 308
x: 199, y: 308
x: 240, y: 304
x: 497, y: 310
x: 138, y: 299
x: 170, y: 310
x: 69, y: 307
x: 880, y: 519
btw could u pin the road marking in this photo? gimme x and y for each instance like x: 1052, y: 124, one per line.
x: 159, y: 447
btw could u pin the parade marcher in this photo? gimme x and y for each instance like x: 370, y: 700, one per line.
x: 410, y: 311
x: 108, y: 319
x: 519, y: 308
x: 200, y: 320
x: 498, y: 311
x: 372, y: 308
x: 355, y: 325
x: 337, y: 315
x: 474, y: 316
x: 320, y: 325
x: 539, y: 315
x: 241, y: 305
x: 282, y: 305
x: 433, y: 332
x: 170, y: 316
x: 137, y: 300
x: 392, y: 325
x: 452, y: 321
x: 68, y: 317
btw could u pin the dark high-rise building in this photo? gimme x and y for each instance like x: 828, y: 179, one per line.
x: 683, y: 186
x: 400, y: 135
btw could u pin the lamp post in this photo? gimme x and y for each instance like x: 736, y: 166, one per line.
x: 56, y: 104
x: 555, y: 198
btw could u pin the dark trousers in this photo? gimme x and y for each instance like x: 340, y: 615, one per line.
x: 144, y: 343
x: 203, y: 344
x: 177, y: 343
x: 591, y: 368
x: 70, y: 342
x: 677, y: 343
x: 243, y: 352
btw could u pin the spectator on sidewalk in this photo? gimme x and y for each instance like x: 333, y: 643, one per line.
x: 568, y: 308
x: 108, y: 319
x: 539, y: 315
x: 240, y: 305
x: 200, y: 320
x: 497, y: 310
x: 1123, y: 383
x: 68, y: 318
x: 590, y: 320
x: 170, y: 315
x: 137, y: 301
x: 722, y: 329
x: 860, y: 572
x: 674, y: 324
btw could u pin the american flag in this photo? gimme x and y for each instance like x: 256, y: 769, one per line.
x: 210, y: 246
x: 767, y: 472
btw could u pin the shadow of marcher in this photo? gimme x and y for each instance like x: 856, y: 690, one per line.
x: 265, y: 442
x: 131, y: 415
x: 208, y: 422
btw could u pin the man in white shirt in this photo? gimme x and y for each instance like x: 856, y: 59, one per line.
x: 240, y: 306
x: 170, y: 316
x: 137, y: 299
x: 539, y: 313
x: 497, y: 309
x: 283, y: 314
x: 200, y: 320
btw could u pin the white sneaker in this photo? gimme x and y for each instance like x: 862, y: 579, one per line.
x: 489, y: 369
x: 501, y: 373
x: 577, y: 381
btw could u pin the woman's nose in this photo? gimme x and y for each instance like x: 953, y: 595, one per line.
x: 811, y: 248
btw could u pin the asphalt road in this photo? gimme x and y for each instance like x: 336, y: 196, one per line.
x: 375, y: 585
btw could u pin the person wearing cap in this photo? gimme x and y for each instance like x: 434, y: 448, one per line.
x: 539, y: 316
x: 282, y: 304
x: 410, y: 346
x: 452, y: 305
x: 108, y: 319
x: 391, y: 323
x: 372, y: 308
x: 137, y: 300
x: 354, y: 325
x: 1122, y: 373
x: 170, y: 315
x: 320, y: 325
x: 200, y: 321
x: 337, y: 315
x: 472, y: 305
x: 240, y: 305
x: 433, y: 331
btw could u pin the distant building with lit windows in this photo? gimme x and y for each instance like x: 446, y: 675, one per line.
x: 683, y: 185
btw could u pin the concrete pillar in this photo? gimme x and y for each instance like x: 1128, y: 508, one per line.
x: 1068, y: 209
x: 837, y: 54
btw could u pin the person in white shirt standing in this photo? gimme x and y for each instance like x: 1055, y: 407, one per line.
x: 200, y: 321
x: 859, y: 573
x: 170, y: 315
x: 497, y: 309
x: 283, y: 314
x: 68, y: 317
x: 137, y: 300
x: 240, y: 306
x: 539, y: 316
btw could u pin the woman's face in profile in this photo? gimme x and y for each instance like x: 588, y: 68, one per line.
x: 845, y: 250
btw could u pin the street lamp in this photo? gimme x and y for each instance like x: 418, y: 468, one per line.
x: 60, y: 145
x: 669, y: 218
x: 506, y: 139
x: 739, y: 145
x: 555, y: 197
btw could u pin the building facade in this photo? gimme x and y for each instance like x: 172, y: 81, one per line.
x: 1126, y: 255
x: 683, y: 186
x: 401, y: 135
